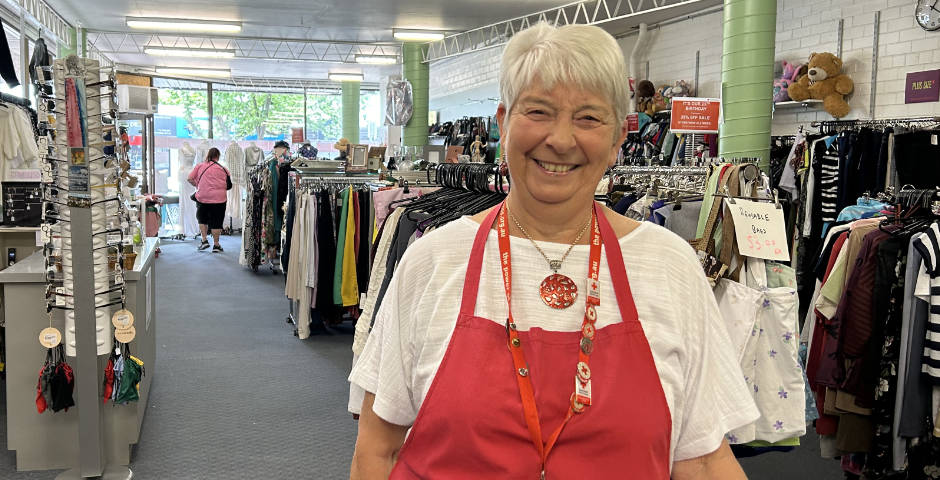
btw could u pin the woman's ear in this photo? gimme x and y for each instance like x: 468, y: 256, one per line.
x: 501, y: 119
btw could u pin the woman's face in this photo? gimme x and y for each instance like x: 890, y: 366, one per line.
x: 559, y: 142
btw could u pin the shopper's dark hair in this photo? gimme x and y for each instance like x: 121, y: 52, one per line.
x: 213, y: 154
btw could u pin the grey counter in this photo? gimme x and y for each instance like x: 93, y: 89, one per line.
x: 50, y: 440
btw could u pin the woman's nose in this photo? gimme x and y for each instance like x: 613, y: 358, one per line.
x: 561, y: 138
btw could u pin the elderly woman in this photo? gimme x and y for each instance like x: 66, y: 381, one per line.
x: 551, y: 337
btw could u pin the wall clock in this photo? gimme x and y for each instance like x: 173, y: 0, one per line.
x: 927, y: 14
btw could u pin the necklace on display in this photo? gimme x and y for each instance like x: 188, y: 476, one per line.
x: 557, y: 291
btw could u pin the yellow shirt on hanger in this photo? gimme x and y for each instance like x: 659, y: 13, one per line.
x: 350, y: 285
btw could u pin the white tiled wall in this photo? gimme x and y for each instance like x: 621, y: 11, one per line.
x: 466, y: 85
x: 803, y: 27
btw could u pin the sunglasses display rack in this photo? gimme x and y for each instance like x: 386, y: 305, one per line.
x: 85, y: 218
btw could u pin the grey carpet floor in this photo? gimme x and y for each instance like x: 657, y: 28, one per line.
x: 236, y: 396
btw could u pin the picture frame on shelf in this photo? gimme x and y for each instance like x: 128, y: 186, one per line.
x: 358, y: 158
x: 376, y: 158
x: 435, y: 153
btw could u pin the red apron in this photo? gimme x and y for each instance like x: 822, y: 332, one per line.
x: 471, y: 423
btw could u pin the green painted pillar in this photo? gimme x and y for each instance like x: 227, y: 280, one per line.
x: 351, y: 111
x: 66, y: 50
x: 83, y: 35
x: 418, y: 73
x: 747, y: 74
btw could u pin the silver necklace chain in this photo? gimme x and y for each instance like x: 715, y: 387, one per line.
x: 555, y: 265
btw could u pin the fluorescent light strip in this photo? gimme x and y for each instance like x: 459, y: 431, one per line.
x: 346, y: 77
x: 411, y: 35
x: 190, y: 52
x: 377, y: 59
x: 195, y: 72
x: 183, y: 25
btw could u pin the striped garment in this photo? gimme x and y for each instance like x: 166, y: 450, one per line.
x: 829, y: 183
x: 928, y: 244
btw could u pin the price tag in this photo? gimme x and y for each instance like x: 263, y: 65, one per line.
x: 125, y: 335
x: 122, y: 319
x: 759, y: 230
x: 50, y: 337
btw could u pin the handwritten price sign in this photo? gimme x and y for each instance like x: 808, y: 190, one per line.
x: 760, y: 230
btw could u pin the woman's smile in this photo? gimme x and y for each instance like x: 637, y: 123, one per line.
x: 555, y: 169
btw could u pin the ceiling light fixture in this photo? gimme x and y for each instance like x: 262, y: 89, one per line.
x: 195, y: 72
x: 411, y: 35
x: 346, y: 77
x: 183, y: 25
x: 377, y: 59
x: 190, y: 52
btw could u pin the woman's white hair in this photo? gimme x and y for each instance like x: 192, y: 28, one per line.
x: 583, y: 55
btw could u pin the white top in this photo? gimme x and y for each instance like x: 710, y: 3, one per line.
x: 16, y: 137
x: 700, y: 375
x: 235, y: 161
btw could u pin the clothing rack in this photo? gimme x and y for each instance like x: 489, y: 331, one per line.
x: 653, y: 170
x: 830, y: 125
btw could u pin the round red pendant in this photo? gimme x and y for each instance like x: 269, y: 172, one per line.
x: 558, y: 291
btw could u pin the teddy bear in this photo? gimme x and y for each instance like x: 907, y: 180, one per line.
x: 660, y: 101
x: 824, y: 81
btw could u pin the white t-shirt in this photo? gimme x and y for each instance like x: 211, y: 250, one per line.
x: 700, y: 375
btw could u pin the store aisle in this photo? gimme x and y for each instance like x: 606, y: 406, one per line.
x: 235, y: 394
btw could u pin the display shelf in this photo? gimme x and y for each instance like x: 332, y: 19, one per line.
x: 793, y: 104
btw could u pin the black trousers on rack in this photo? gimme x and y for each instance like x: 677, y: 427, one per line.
x: 365, y: 241
x: 326, y: 248
x: 917, y: 157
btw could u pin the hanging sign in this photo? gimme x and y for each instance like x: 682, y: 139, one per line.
x: 633, y: 123
x: 759, y: 229
x: 50, y: 337
x: 125, y: 335
x: 122, y: 319
x: 297, y: 135
x: 695, y: 115
x: 922, y: 87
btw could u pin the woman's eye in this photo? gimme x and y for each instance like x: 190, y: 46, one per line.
x: 590, y: 118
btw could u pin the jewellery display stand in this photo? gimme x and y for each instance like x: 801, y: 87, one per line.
x: 85, y: 249
x: 74, y: 283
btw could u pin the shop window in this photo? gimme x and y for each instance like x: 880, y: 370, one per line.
x: 324, y: 120
x: 261, y: 117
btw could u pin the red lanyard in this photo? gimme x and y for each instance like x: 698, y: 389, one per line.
x: 582, y: 378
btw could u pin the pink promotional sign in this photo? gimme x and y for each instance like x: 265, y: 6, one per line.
x: 922, y: 87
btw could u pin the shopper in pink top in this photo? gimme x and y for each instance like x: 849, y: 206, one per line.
x: 211, y: 181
